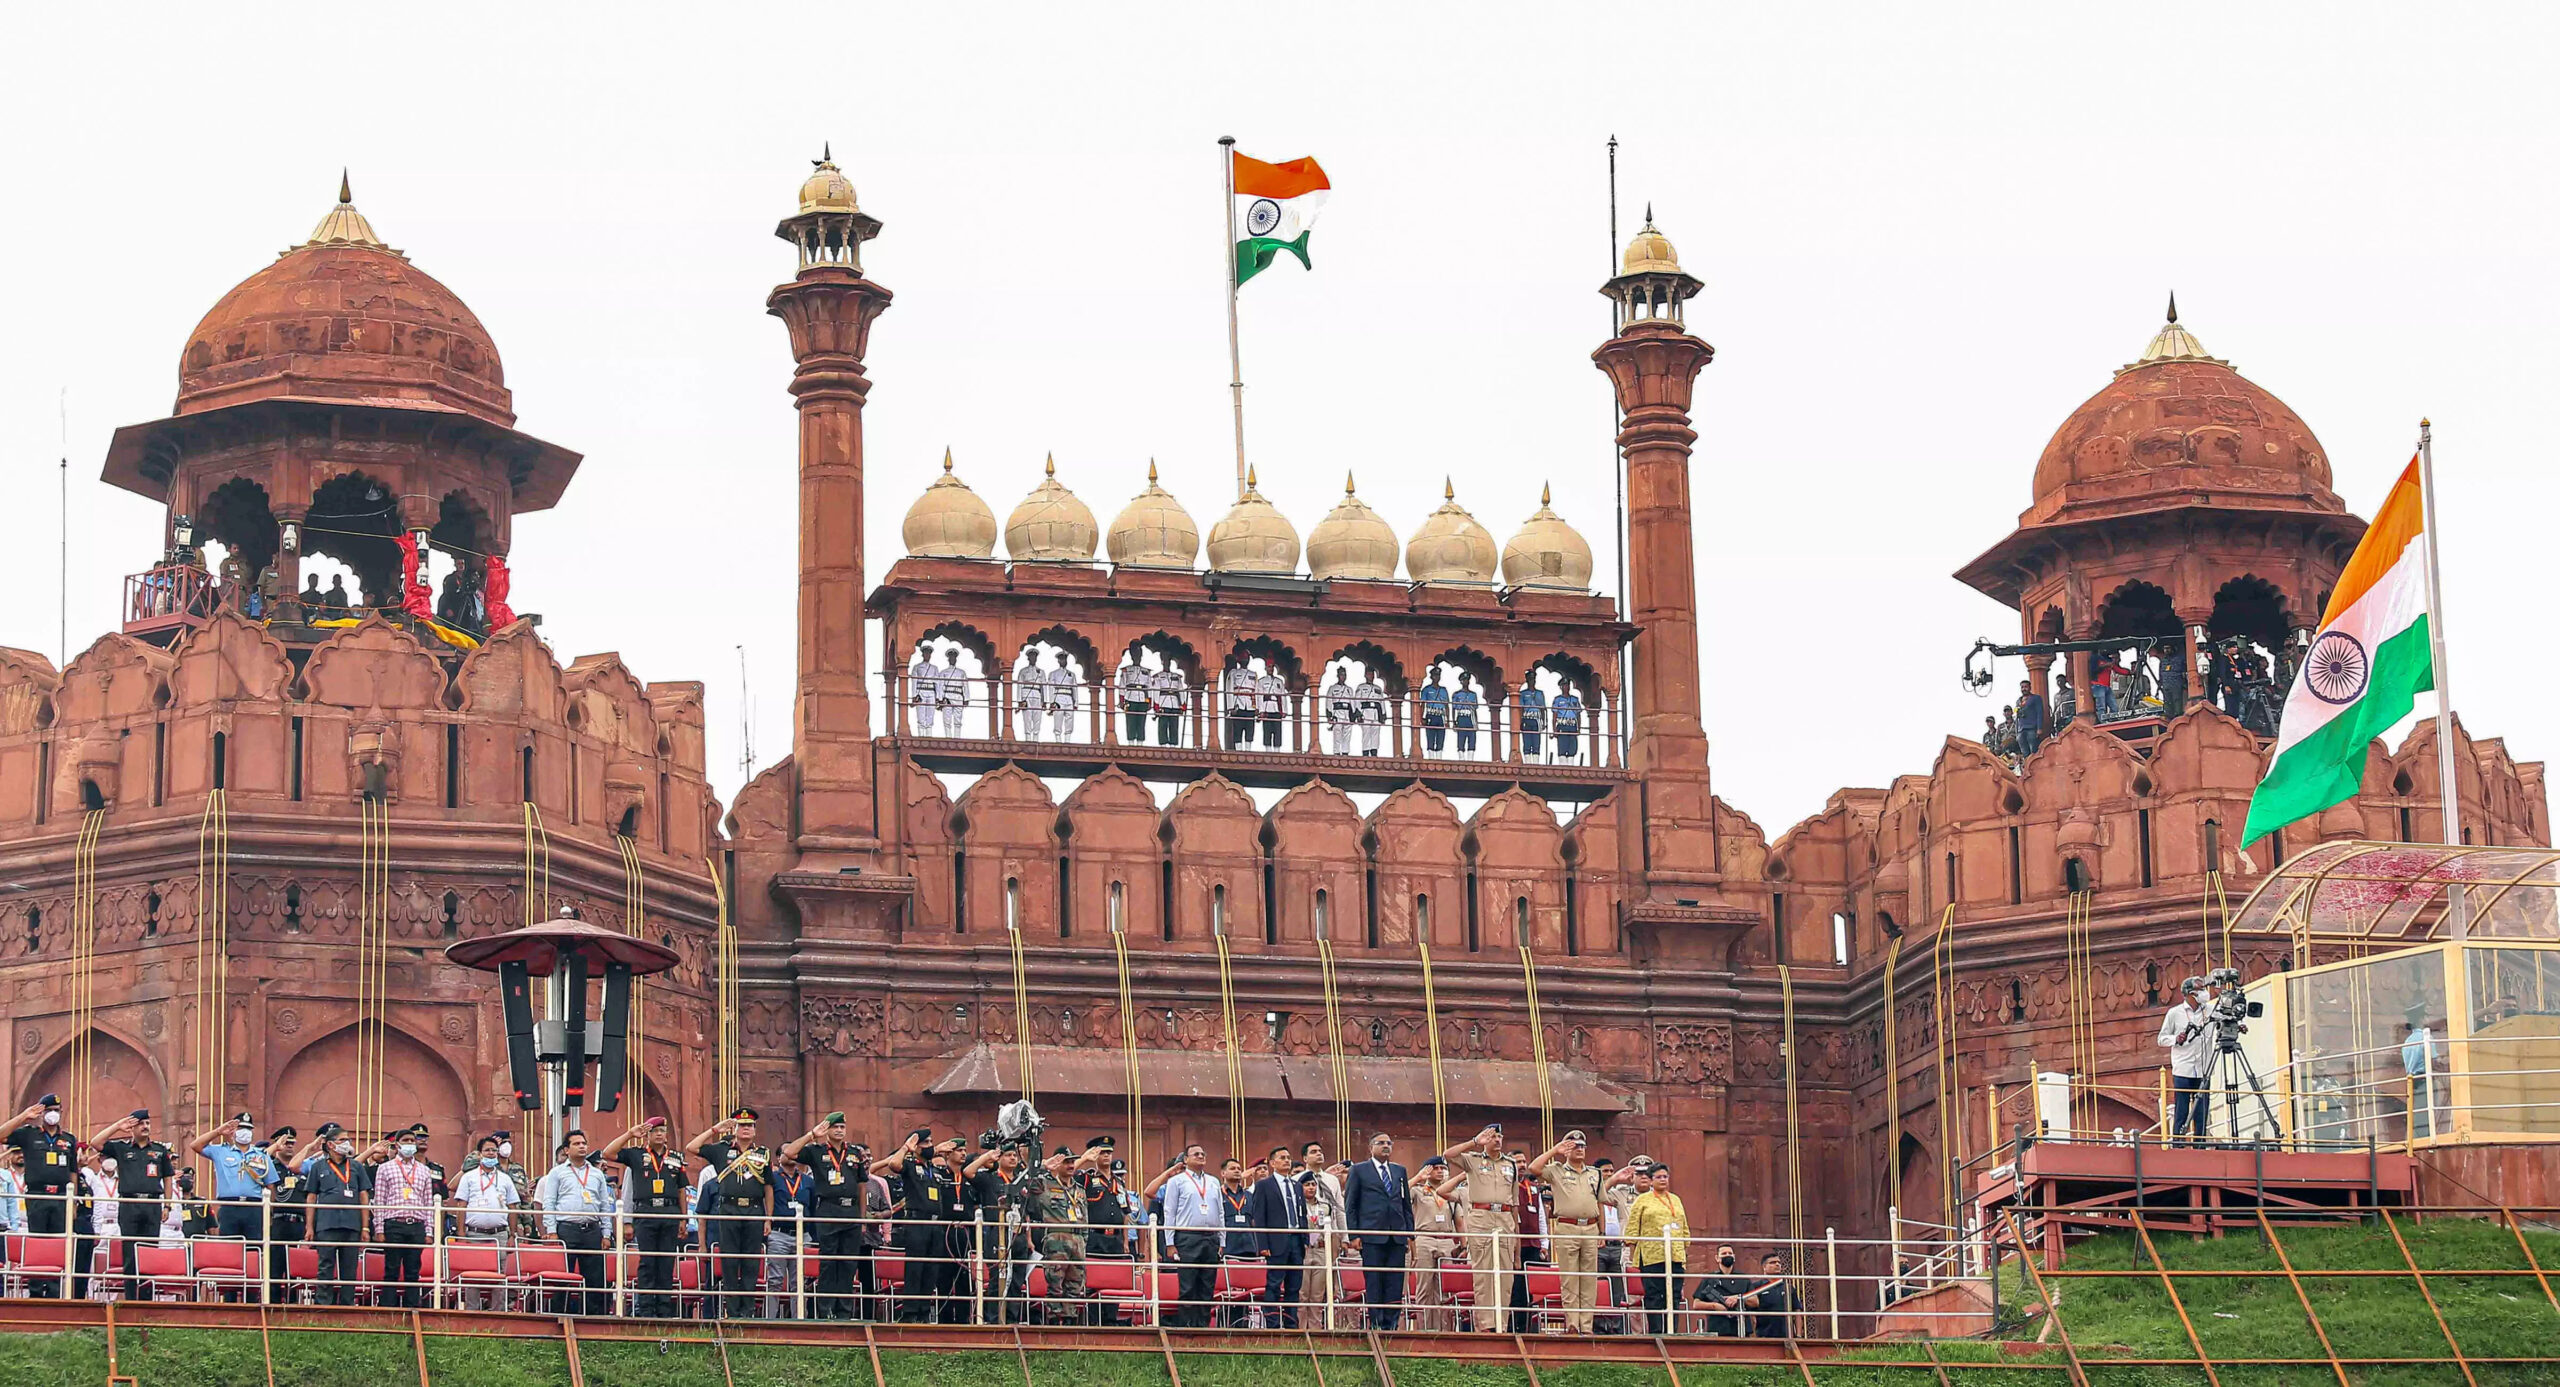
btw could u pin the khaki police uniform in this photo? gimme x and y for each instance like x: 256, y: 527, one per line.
x: 1435, y: 1236
x: 1573, y: 1236
x: 1491, y: 1226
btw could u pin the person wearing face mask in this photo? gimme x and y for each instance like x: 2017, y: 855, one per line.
x: 93, y: 1216
x: 341, y: 1186
x: 404, y: 1200
x: 242, y: 1171
x: 528, y: 1220
x: 51, y: 1156
x: 288, y: 1209
x: 1720, y: 1296
x: 741, y: 1203
x: 143, y: 1170
x: 488, y: 1198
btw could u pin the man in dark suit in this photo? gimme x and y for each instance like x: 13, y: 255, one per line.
x: 1378, y: 1204
x: 1276, y: 1204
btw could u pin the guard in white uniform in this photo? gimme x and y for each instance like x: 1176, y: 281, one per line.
x: 1241, y: 685
x: 1030, y: 699
x: 1171, y: 691
x: 1274, y: 689
x: 951, y: 692
x: 923, y: 687
x: 1341, y: 709
x: 1062, y: 700
x: 1135, y: 701
x: 1372, y: 697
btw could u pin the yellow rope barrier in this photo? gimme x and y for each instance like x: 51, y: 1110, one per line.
x: 1021, y: 1008
x: 635, y: 895
x: 84, y: 965
x: 724, y: 955
x: 1795, y: 1134
x: 1943, y: 1059
x: 1431, y: 1034
x: 1333, y: 1039
x: 1235, y: 1060
x: 213, y: 959
x: 1538, y: 1049
x: 1129, y: 1048
x: 1892, y: 1081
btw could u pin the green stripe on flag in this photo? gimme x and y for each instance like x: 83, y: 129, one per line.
x: 2328, y: 766
x: 1254, y: 254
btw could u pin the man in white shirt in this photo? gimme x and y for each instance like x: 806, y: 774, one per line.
x: 1371, y: 696
x: 2188, y: 1037
x: 1170, y: 690
x: 1030, y: 699
x: 1242, y: 685
x: 1194, y: 1214
x: 1341, y: 708
x: 1273, y: 687
x: 951, y: 693
x: 1135, y: 701
x: 924, y: 691
x: 487, y: 1196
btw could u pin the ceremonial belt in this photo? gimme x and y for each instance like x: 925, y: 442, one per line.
x: 1579, y: 1222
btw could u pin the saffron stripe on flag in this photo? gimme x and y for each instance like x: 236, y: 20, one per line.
x: 1292, y: 178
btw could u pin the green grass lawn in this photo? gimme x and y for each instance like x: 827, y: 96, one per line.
x: 2110, y: 1319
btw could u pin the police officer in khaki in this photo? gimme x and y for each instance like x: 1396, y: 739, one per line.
x: 1573, y: 1233
x: 1491, y: 1223
x: 1435, y: 1236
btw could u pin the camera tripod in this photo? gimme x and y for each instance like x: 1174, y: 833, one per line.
x: 2232, y: 1066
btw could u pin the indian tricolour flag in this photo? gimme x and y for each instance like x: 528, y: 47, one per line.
x: 2363, y: 672
x: 1275, y: 204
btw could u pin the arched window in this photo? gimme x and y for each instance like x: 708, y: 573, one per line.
x: 1323, y: 923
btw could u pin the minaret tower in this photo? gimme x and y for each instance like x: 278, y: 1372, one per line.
x: 1653, y: 361
x: 828, y: 307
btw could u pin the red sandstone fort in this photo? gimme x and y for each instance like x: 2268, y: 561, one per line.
x: 238, y: 844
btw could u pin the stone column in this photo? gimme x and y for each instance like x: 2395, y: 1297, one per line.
x: 828, y: 309
x: 1653, y: 364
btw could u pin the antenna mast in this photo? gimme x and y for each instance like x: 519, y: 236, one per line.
x: 746, y: 722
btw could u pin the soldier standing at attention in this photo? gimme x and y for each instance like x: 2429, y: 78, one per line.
x: 1435, y: 715
x: 1490, y: 1223
x: 1275, y: 699
x: 1341, y: 707
x: 1062, y: 683
x: 1242, y: 688
x: 951, y: 692
x: 143, y: 1171
x: 1462, y: 713
x: 656, y: 1186
x: 1567, y: 713
x: 1573, y: 1237
x: 1372, y: 698
x: 1134, y: 702
x: 924, y: 690
x: 1169, y: 689
x: 1030, y: 699
x: 1533, y: 716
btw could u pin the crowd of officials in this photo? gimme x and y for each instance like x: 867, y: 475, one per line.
x: 944, y: 1230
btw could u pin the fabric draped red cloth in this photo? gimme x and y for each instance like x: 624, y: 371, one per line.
x: 493, y: 593
x: 414, y: 598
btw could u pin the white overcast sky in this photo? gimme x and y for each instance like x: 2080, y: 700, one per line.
x: 1927, y: 234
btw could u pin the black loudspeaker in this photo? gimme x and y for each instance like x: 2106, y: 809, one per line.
x: 574, y: 1094
x: 613, y: 1071
x: 515, y: 983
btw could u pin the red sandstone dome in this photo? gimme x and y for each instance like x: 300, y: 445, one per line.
x: 344, y: 317
x: 2179, y: 427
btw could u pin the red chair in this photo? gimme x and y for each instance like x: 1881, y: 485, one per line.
x: 377, y: 1268
x: 1545, y: 1292
x: 1458, y: 1290
x: 163, y: 1272
x: 541, y: 1267
x: 221, y: 1262
x: 37, y: 1258
x: 688, y: 1285
x: 1242, y: 1282
x: 1036, y: 1286
x: 468, y: 1265
x: 301, y: 1268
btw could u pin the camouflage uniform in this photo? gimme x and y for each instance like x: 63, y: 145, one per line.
x: 1055, y: 1209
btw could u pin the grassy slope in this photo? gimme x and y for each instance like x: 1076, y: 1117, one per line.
x: 2365, y: 1317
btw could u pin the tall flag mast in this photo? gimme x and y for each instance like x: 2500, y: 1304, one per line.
x: 1269, y: 208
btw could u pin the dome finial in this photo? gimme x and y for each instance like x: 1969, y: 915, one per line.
x: 1151, y: 471
x: 1053, y: 464
x: 1648, y: 212
x: 1448, y: 489
x: 1546, y: 493
x: 343, y: 225
x: 2174, y: 343
x: 826, y: 153
x: 1250, y: 480
x: 346, y: 193
x: 2173, y: 305
x: 946, y: 459
x: 1349, y: 488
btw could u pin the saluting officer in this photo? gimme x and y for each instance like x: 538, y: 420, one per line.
x: 839, y: 1182
x: 1533, y: 715
x: 737, y: 1228
x: 656, y: 1186
x: 143, y: 1171
x: 1341, y: 708
x: 1170, y: 692
x: 1053, y: 1206
x: 50, y: 1157
x: 1491, y: 1223
x: 1573, y: 1239
x: 1135, y: 700
x: 1372, y: 697
x: 1435, y: 714
x: 1105, y: 1209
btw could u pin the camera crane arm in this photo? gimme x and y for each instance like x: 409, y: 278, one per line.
x: 1977, y: 661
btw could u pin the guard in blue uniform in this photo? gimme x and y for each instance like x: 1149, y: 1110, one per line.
x: 1533, y: 716
x: 1435, y: 717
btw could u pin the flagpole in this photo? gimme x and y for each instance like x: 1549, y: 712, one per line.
x: 1235, y: 352
x: 2449, y: 790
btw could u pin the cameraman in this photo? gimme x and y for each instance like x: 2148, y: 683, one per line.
x: 2187, y: 1034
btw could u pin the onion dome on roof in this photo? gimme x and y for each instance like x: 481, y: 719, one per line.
x: 827, y: 189
x: 344, y: 317
x: 1352, y: 541
x: 1050, y: 524
x: 1650, y: 252
x: 2179, y: 425
x: 1450, y: 547
x: 1547, y: 553
x: 949, y: 521
x: 1254, y: 537
x: 1154, y: 531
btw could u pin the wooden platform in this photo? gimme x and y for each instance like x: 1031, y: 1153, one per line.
x: 2053, y: 1186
